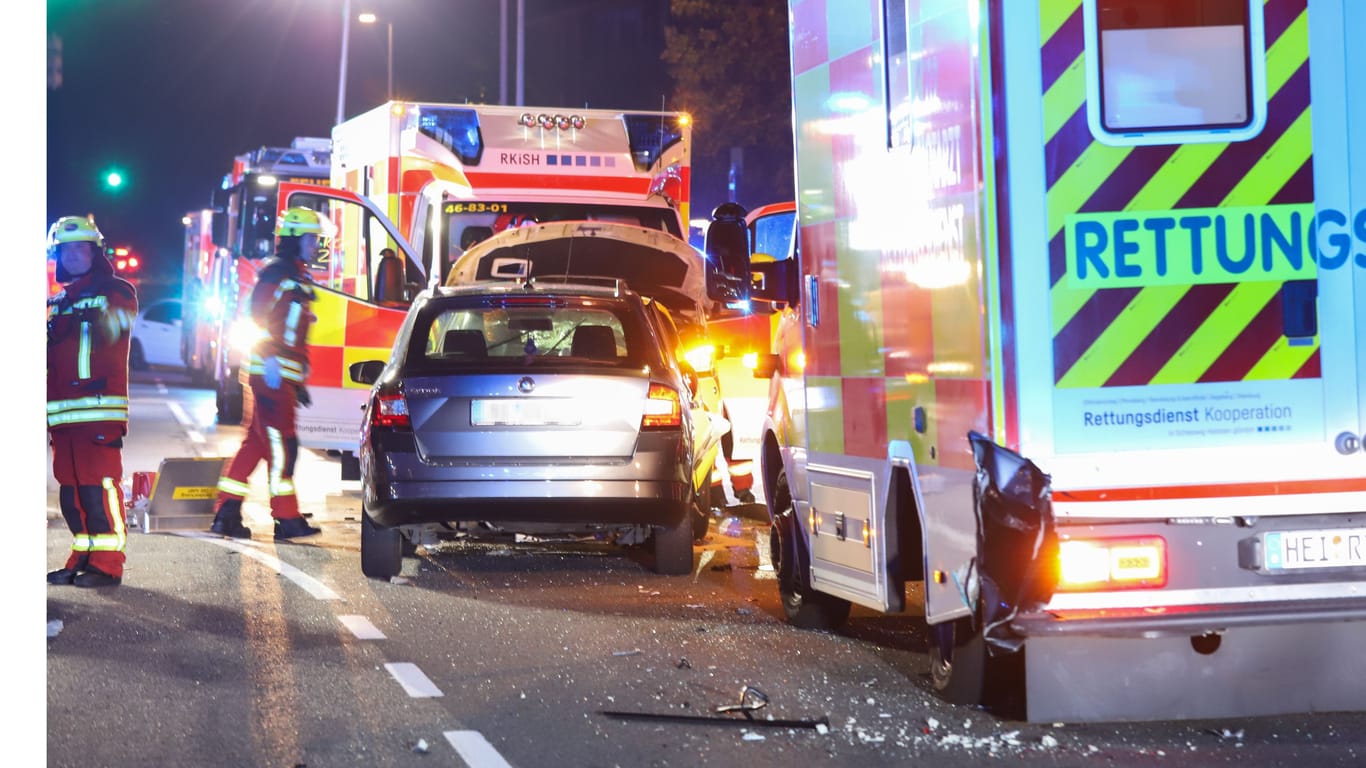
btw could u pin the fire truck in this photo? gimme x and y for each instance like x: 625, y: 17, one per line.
x: 224, y: 247
x: 1070, y: 357
x: 415, y: 184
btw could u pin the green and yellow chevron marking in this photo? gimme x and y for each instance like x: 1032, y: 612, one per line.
x: 1122, y: 337
x: 1182, y: 170
x: 1281, y: 361
x: 1217, y: 332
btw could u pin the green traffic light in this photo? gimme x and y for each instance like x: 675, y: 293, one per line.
x: 113, y: 179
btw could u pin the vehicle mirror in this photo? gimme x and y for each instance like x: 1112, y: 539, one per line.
x: 727, y: 249
x: 774, y: 282
x: 366, y: 371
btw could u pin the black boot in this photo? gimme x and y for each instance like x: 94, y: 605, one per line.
x: 228, y: 521
x: 293, y: 528
x: 62, y: 576
x: 94, y: 578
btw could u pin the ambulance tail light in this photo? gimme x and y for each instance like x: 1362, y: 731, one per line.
x: 663, y: 408
x: 1105, y: 564
x: 390, y: 410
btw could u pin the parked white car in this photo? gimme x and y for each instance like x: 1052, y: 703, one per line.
x: 156, y: 336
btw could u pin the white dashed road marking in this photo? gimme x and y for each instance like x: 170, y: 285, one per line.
x: 185, y: 421
x: 361, y: 628
x: 476, y: 750
x: 309, y: 584
x: 413, y: 681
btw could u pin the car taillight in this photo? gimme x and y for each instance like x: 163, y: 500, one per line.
x: 390, y: 410
x: 662, y: 408
x: 1098, y: 564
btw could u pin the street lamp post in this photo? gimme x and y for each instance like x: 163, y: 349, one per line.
x: 341, y: 79
x: 370, y: 18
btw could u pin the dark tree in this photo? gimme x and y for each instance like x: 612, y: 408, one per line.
x: 729, y: 62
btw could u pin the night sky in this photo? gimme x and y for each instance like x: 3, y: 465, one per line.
x: 169, y: 91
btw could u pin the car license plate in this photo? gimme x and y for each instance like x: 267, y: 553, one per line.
x: 1325, y: 548
x: 512, y: 412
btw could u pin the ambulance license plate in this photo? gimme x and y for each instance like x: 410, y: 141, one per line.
x: 1323, y: 548
x: 512, y: 412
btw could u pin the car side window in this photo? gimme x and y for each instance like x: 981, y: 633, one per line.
x: 164, y: 313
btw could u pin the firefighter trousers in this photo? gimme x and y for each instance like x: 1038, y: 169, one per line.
x: 270, y: 436
x: 87, y: 461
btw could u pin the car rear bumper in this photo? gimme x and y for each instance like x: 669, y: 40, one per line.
x: 538, y: 501
x: 653, y: 487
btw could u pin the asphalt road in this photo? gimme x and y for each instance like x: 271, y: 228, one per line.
x: 252, y: 653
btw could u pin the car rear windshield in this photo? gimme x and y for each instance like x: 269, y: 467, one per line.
x: 544, y: 333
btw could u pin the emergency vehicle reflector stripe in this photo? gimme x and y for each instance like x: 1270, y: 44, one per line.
x: 1168, y: 262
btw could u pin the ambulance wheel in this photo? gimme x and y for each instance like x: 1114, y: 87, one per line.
x: 958, y: 661
x: 804, y: 607
x: 381, y: 549
x: 137, y: 359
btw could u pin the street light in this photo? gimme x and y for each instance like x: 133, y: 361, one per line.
x: 341, y: 79
x: 369, y: 18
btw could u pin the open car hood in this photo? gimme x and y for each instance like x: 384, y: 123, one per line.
x: 653, y: 263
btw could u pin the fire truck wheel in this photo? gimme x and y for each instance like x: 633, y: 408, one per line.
x: 804, y: 607
x: 381, y: 549
x: 229, y: 409
x: 958, y: 661
x: 137, y: 360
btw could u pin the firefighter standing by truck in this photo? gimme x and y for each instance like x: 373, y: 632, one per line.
x: 280, y: 307
x: 88, y: 328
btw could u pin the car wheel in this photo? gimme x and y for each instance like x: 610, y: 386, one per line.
x: 804, y: 607
x: 728, y: 439
x: 137, y: 359
x: 673, y: 548
x: 701, y: 518
x: 958, y: 661
x: 381, y: 549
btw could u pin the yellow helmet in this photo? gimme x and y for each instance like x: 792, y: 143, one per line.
x: 73, y: 229
x: 304, y: 221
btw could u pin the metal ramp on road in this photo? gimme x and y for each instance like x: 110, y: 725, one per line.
x: 182, y: 496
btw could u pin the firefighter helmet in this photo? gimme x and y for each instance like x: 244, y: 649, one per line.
x: 73, y: 229
x: 304, y: 221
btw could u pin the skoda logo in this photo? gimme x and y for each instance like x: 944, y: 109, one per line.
x: 525, y: 385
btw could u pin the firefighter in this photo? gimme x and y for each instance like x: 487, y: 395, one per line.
x: 277, y: 368
x: 88, y: 328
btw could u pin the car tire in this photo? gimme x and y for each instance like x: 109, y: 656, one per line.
x: 803, y: 606
x: 381, y: 549
x: 137, y: 359
x: 958, y: 662
x: 673, y: 548
x: 700, y: 515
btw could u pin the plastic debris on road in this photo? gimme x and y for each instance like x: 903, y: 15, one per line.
x: 632, y: 652
x: 54, y: 628
x: 421, y: 747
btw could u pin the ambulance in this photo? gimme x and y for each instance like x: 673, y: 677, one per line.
x: 415, y: 184
x: 1072, y: 354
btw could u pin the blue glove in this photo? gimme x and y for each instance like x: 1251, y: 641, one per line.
x: 272, y: 372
